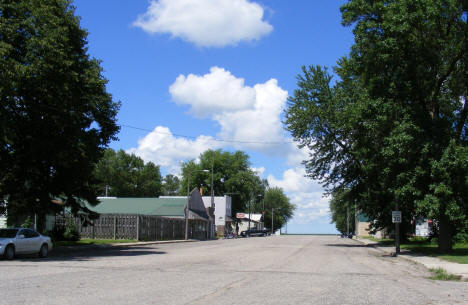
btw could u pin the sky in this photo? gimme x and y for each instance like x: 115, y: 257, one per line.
x: 216, y: 74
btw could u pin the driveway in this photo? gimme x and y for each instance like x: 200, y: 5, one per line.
x: 263, y: 270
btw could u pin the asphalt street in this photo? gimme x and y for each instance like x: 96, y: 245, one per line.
x: 261, y: 270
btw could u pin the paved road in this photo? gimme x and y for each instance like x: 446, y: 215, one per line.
x: 263, y: 270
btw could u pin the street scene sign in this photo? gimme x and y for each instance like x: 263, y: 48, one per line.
x: 396, y: 216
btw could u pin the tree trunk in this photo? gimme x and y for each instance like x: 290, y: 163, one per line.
x: 445, y: 234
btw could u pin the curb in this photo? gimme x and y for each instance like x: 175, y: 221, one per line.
x: 406, y: 255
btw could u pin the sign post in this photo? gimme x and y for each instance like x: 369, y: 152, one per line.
x: 396, y: 219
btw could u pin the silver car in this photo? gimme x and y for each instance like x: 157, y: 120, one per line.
x: 23, y: 241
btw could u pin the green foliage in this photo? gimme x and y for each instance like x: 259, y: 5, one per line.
x: 56, y: 117
x: 231, y: 175
x: 126, y: 175
x: 171, y: 185
x: 393, y: 128
x: 282, y: 209
x: 342, y: 211
x: 27, y: 223
x: 442, y: 275
x: 71, y: 231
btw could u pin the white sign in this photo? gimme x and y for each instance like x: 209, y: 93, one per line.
x: 396, y: 216
x: 240, y: 215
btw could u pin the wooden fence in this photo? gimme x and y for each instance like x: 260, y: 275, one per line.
x: 139, y: 227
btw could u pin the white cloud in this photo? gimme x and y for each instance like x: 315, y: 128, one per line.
x: 162, y: 148
x: 206, y: 23
x: 247, y: 114
x: 306, y: 194
x: 211, y: 94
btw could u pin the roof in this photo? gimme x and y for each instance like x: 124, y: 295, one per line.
x: 142, y: 206
x: 363, y: 217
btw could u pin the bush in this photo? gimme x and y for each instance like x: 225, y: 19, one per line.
x: 57, y: 233
x: 71, y: 232
x: 27, y: 223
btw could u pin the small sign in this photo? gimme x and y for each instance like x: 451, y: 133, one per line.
x: 396, y: 216
x: 240, y: 215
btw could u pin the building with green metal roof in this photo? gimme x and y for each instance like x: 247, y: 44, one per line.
x: 169, y: 207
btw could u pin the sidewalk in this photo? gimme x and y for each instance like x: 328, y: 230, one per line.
x: 427, y: 261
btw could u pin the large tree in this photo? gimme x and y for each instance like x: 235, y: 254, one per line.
x: 386, y: 128
x: 276, y: 204
x: 126, y: 175
x: 56, y: 117
x: 232, y: 175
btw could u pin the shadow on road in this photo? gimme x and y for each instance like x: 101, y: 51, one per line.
x: 354, y: 245
x: 84, y: 253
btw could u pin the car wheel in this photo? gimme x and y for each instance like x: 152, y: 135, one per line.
x: 44, y: 250
x: 9, y: 252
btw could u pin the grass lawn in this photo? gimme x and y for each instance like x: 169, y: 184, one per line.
x: 89, y: 241
x: 459, y: 253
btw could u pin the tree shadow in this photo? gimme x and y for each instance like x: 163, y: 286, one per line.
x: 354, y: 245
x: 84, y: 253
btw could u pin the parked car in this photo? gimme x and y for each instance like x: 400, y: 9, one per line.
x: 23, y: 241
x: 254, y: 232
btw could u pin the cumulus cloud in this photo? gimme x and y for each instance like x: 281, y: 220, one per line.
x: 206, y: 23
x: 306, y: 194
x: 162, y: 148
x: 214, y: 93
x: 248, y: 115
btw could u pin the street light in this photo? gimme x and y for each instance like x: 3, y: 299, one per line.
x: 188, y: 198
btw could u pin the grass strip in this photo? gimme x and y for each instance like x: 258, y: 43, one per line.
x: 442, y: 275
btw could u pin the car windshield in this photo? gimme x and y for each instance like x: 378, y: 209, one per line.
x: 8, y: 233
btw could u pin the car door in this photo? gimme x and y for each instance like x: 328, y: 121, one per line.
x: 34, y: 241
x: 21, y: 242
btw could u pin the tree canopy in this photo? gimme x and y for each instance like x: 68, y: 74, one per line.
x: 275, y: 200
x: 231, y: 176
x: 393, y: 126
x: 56, y: 117
x: 126, y: 175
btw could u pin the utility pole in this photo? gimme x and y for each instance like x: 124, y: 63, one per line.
x: 397, y: 233
x: 272, y: 230
x: 347, y: 221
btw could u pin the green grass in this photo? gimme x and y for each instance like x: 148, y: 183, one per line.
x: 89, y: 241
x: 442, y: 275
x: 459, y: 253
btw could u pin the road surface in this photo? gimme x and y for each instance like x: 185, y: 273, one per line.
x: 260, y: 270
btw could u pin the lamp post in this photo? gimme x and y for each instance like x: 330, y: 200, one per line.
x: 272, y: 230
x: 188, y: 198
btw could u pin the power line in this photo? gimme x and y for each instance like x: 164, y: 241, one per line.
x: 212, y: 139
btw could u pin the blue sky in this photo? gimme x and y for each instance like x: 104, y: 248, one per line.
x: 191, y: 73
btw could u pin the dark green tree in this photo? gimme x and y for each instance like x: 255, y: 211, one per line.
x: 384, y: 128
x: 231, y: 175
x: 171, y: 185
x: 342, y: 211
x: 56, y: 117
x: 278, y: 202
x: 126, y: 175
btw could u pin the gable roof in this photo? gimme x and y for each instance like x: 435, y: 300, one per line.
x: 141, y: 206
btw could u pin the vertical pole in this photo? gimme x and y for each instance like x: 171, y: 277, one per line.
x: 115, y: 226
x: 347, y: 221
x: 138, y: 227
x: 249, y: 216
x: 272, y: 230
x: 187, y: 207
x: 397, y: 234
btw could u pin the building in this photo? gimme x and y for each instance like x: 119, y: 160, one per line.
x: 243, y: 222
x: 222, y: 213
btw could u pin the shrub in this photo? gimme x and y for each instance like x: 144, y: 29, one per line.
x: 71, y: 232
x: 27, y: 223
